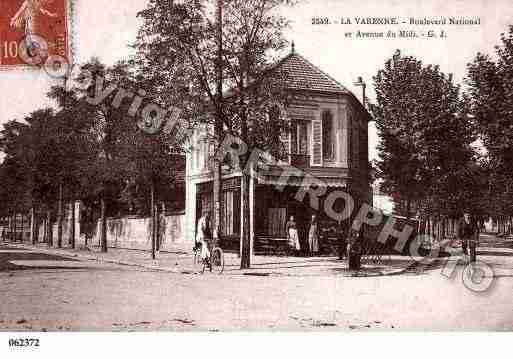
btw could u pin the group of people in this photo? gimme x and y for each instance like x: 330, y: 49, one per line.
x: 291, y: 228
x: 468, y: 233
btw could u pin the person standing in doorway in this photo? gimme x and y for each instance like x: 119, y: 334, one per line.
x: 313, y: 235
x: 354, y: 245
x: 292, y: 234
x: 468, y: 234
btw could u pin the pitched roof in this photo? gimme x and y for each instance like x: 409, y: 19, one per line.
x: 301, y: 74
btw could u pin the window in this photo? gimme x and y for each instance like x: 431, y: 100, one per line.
x: 328, y: 143
x: 230, y: 218
x: 300, y: 138
x: 277, y: 218
x: 227, y: 224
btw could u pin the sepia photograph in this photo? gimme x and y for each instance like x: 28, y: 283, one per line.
x: 301, y: 167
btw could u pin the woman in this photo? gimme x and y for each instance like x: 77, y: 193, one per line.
x: 313, y: 236
x: 292, y: 234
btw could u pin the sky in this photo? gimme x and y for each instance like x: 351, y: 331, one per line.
x: 105, y: 28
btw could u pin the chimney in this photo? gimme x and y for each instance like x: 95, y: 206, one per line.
x: 363, y: 85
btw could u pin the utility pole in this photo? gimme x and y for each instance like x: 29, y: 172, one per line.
x: 59, y: 218
x: 153, y: 221
x: 363, y: 85
x: 218, y: 125
x: 66, y: 89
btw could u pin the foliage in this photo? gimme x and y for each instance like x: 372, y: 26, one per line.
x: 490, y: 99
x: 426, y: 135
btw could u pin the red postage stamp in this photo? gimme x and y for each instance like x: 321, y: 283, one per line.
x: 33, y: 30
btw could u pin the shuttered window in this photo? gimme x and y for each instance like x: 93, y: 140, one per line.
x: 300, y: 138
x: 328, y: 143
x: 293, y: 138
x: 317, y: 143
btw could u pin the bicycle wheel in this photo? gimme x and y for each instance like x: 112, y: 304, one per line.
x: 217, y: 260
x: 204, y: 265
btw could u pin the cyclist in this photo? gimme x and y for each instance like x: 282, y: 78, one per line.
x: 203, y: 235
x: 468, y: 233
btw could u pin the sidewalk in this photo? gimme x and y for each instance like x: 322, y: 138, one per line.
x: 180, y: 260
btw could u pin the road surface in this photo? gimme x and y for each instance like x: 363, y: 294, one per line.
x: 44, y: 292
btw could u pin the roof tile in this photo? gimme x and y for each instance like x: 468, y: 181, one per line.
x: 301, y: 74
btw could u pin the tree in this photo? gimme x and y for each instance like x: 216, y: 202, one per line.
x: 179, y: 50
x: 491, y: 103
x: 104, y: 173
x: 426, y: 136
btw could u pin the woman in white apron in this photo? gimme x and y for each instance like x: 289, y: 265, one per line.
x: 292, y: 234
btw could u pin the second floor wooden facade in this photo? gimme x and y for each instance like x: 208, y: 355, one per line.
x: 328, y: 126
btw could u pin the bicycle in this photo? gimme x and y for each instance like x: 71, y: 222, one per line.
x: 215, y: 262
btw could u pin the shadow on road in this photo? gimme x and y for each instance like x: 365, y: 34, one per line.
x: 9, y: 254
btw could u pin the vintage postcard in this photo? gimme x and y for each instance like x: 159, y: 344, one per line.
x: 254, y: 166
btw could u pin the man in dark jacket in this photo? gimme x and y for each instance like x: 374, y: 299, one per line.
x: 468, y: 234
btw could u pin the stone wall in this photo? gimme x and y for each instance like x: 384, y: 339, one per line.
x: 135, y: 232
x: 124, y: 232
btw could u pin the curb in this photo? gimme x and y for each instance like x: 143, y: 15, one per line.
x: 85, y: 257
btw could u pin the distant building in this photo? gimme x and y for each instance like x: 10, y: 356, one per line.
x: 382, y: 201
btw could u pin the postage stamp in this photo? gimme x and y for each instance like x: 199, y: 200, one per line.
x: 33, y: 30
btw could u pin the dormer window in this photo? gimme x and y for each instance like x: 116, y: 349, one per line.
x: 328, y: 140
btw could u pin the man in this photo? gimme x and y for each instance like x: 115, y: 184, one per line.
x: 468, y: 234
x: 354, y: 245
x: 203, y: 235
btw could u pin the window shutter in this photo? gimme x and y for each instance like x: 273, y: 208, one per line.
x: 286, y: 140
x: 316, y: 143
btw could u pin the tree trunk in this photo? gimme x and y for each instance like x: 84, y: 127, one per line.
x: 72, y: 234
x: 37, y: 223
x: 153, y: 224
x: 157, y: 227
x: 245, y: 262
x: 103, y: 225
x: 45, y: 231
x: 49, y: 231
x: 22, y: 227
x: 15, y: 227
x: 59, y: 219
x: 218, y: 126
x: 33, y: 226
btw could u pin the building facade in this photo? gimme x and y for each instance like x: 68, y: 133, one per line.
x: 328, y: 142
